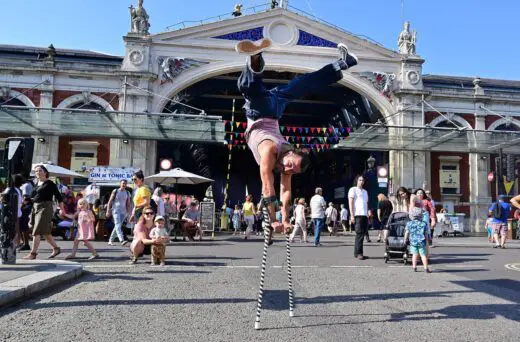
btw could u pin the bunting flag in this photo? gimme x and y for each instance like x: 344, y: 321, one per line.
x: 237, y: 124
x: 300, y: 130
x: 312, y: 129
x: 244, y: 124
x: 282, y: 128
x: 225, y: 122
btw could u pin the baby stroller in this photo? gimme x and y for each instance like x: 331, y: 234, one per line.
x: 396, y: 246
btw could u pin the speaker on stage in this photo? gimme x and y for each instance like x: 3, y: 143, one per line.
x: 17, y: 159
x: 18, y: 156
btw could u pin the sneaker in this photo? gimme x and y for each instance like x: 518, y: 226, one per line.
x: 427, y: 270
x: 133, y: 261
x: 349, y: 58
x: 162, y: 263
x: 250, y: 48
x: 124, y: 242
x: 496, y: 246
x: 94, y: 256
x: 415, y: 269
x: 361, y: 257
x: 110, y: 243
x: 70, y: 256
x: 503, y: 247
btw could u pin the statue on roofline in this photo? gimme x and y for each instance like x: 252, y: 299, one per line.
x: 139, y: 19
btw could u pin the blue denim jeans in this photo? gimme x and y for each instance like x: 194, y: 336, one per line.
x: 318, y: 225
x: 118, y: 227
x: 271, y: 103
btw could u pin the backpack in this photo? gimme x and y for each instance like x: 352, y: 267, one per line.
x: 498, y: 212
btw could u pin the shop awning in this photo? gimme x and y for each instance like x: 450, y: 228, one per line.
x: 374, y: 137
x: 124, y: 125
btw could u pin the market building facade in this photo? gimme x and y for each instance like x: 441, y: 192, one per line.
x: 173, y: 95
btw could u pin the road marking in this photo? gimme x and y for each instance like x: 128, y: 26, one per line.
x: 513, y: 267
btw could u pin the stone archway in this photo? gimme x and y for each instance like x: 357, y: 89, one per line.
x: 79, y: 98
x: 16, y: 95
x: 455, y: 118
x: 198, y: 74
x: 505, y: 122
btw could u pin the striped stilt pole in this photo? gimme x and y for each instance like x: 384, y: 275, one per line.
x: 289, y: 277
x: 266, y: 225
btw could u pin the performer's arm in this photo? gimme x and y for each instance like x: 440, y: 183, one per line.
x: 267, y: 150
x: 285, y: 196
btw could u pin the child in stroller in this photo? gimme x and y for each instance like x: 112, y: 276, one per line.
x: 396, y: 245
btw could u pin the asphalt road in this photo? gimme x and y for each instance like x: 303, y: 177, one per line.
x: 208, y: 291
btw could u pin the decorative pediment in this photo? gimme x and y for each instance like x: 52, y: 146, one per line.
x: 285, y: 28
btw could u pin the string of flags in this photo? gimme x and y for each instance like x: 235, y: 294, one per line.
x: 314, y: 138
x: 297, y: 129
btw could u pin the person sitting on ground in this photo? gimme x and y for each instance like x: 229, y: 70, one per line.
x: 416, y: 232
x: 190, y: 224
x: 142, y: 243
x: 159, y: 233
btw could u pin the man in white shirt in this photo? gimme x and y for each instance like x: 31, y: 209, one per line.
x: 318, y: 206
x: 358, y: 204
x: 344, y: 218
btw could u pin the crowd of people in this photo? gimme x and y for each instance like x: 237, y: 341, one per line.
x: 149, y: 212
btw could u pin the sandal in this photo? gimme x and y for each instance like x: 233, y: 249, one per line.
x: 30, y: 256
x: 55, y: 253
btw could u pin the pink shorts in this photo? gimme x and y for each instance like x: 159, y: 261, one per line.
x: 500, y: 229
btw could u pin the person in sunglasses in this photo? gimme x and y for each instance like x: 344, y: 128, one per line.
x: 142, y: 243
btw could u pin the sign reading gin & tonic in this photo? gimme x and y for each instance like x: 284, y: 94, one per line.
x: 101, y: 174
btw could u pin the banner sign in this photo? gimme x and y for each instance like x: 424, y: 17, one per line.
x: 105, y: 174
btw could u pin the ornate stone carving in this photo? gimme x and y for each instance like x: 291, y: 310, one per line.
x: 382, y: 81
x: 170, y: 67
x: 4, y: 92
x: 413, y: 77
x: 407, y: 40
x: 139, y: 19
x: 136, y: 57
x: 86, y: 96
x: 237, y: 12
x: 478, y: 89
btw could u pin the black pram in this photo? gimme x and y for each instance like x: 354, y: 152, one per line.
x: 395, y: 245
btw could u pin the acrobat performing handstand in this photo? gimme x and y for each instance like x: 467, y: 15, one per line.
x: 264, y: 107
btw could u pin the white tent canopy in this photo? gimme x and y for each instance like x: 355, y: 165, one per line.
x: 57, y: 171
x: 178, y: 176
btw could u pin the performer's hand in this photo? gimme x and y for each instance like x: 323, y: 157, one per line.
x: 353, y: 220
x: 132, y: 217
x: 278, y: 227
x: 287, y: 228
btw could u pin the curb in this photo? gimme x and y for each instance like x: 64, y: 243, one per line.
x: 16, y: 290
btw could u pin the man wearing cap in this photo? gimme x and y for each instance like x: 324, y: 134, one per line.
x: 190, y: 221
x: 499, y: 213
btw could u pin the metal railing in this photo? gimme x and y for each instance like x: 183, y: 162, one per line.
x: 264, y: 8
x: 190, y: 23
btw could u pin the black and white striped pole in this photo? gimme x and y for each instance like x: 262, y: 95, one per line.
x: 267, y: 231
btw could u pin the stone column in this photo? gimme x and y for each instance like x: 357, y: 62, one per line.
x: 46, y: 148
x: 479, y: 166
